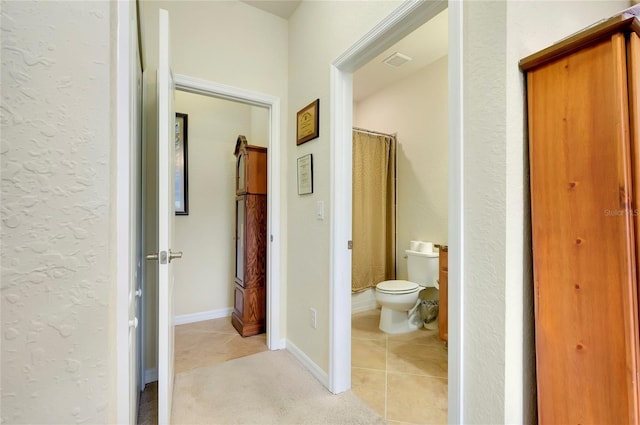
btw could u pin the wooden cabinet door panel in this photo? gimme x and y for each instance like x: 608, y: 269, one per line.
x: 256, y: 241
x: 583, y: 238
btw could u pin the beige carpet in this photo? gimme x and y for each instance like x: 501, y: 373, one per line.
x: 271, y: 387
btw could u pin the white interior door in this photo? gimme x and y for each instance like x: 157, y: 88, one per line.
x: 136, y: 217
x: 166, y: 213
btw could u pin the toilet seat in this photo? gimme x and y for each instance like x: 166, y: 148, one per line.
x: 397, y: 287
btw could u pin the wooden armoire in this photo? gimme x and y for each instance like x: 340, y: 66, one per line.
x: 583, y: 106
x: 250, y: 283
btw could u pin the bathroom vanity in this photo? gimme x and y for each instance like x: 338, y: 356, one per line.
x: 250, y: 283
x: 443, y: 293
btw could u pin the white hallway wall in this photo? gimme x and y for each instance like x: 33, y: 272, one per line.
x: 204, y: 276
x: 416, y: 108
x: 319, y: 31
x: 496, y: 273
x: 226, y: 42
x: 58, y: 208
x: 498, y: 385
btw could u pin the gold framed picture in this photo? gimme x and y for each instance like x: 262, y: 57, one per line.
x: 307, y: 122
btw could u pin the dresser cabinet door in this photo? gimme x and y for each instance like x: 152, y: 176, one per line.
x: 586, y: 318
x: 240, y: 239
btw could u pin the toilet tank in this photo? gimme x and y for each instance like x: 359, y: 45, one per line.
x: 422, y: 267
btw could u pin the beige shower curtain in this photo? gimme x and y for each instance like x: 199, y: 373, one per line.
x: 374, y: 216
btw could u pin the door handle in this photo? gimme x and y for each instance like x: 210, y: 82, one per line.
x: 175, y: 255
x: 133, y: 323
x: 162, y: 256
x: 138, y: 293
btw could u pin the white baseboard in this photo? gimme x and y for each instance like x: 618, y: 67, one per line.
x: 315, y: 370
x: 280, y: 344
x: 204, y: 315
x: 363, y: 301
x: 150, y: 375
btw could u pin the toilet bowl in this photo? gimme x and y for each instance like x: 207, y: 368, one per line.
x: 399, y: 298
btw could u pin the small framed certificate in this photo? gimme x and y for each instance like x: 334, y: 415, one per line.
x: 305, y: 174
x: 307, y: 122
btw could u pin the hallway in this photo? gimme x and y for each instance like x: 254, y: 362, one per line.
x: 201, y: 344
x: 403, y: 378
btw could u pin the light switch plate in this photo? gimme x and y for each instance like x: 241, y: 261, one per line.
x: 313, y: 318
x: 320, y: 210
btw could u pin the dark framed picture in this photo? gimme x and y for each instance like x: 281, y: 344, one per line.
x: 307, y: 122
x: 305, y: 174
x: 182, y: 169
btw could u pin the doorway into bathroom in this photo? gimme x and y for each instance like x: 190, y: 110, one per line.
x: 401, y: 96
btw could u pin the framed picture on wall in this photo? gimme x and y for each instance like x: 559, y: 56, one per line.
x: 307, y: 122
x: 305, y: 174
x: 182, y: 170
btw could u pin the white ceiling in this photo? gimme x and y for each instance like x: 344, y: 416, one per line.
x: 425, y: 45
x: 281, y: 8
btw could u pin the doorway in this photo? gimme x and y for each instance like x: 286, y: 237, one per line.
x: 394, y: 27
x: 275, y: 329
x: 272, y: 104
x: 205, y: 231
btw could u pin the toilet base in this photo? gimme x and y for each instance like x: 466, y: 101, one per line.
x: 398, y: 322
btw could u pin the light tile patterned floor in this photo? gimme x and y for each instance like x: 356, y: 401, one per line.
x: 201, y: 344
x: 402, y: 377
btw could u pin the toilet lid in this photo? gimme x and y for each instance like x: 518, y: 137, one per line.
x: 397, y: 286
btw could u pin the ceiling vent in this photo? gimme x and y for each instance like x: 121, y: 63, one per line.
x: 397, y: 59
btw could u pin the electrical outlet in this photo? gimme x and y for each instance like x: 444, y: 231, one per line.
x: 313, y: 318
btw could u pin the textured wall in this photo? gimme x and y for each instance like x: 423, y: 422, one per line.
x: 485, y: 209
x: 55, y: 211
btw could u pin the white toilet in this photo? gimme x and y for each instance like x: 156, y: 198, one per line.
x: 399, y: 298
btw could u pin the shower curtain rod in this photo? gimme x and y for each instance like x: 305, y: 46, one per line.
x: 362, y: 130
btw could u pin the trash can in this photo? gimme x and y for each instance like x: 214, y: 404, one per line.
x: 429, y: 313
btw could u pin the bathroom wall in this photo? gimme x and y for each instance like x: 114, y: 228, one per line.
x: 204, y: 276
x: 416, y: 109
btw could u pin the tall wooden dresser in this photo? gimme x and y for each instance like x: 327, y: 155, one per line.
x: 250, y: 283
x: 584, y: 154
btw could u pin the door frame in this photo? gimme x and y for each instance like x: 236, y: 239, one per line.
x: 275, y: 336
x: 126, y: 256
x: 400, y: 22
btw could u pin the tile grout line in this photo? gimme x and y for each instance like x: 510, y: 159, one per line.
x: 386, y: 372
x: 419, y: 375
